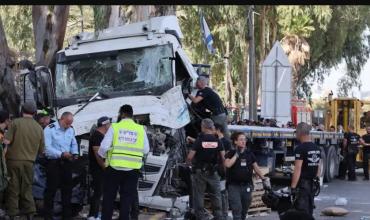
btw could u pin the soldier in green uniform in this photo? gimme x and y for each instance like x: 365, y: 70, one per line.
x: 25, y: 139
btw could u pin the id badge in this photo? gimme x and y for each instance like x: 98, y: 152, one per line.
x: 243, y: 162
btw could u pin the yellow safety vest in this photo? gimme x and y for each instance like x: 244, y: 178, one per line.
x: 128, y: 145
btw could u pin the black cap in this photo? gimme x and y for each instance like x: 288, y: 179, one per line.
x: 29, y: 108
x: 104, y: 120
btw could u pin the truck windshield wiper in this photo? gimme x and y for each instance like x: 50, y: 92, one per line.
x: 98, y: 95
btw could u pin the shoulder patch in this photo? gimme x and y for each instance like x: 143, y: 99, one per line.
x: 51, y: 125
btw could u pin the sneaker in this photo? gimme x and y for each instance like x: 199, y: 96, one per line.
x: 91, y: 218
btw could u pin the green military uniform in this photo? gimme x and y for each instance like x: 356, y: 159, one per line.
x: 26, y: 141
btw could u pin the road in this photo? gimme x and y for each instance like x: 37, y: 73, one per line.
x: 357, y: 193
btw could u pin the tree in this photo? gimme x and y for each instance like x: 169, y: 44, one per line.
x: 49, y: 27
x: 297, y: 24
x: 17, y: 23
x: 343, y: 39
x: 9, y: 98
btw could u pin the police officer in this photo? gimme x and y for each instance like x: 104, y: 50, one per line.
x: 205, y: 151
x: 351, y: 144
x: 306, y: 170
x: 211, y: 101
x: 60, y: 150
x: 240, y: 163
x: 123, y: 146
x: 365, y: 142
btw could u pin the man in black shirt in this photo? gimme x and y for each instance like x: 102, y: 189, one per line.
x: 204, y: 158
x: 365, y: 142
x: 221, y: 169
x: 97, y: 165
x: 211, y: 101
x: 306, y: 169
x: 351, y: 144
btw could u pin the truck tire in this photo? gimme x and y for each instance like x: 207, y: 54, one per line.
x: 322, y: 163
x: 332, y: 164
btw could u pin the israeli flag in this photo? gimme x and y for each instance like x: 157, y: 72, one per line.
x: 207, y: 36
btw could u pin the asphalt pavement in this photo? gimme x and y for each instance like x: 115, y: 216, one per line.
x: 357, y: 194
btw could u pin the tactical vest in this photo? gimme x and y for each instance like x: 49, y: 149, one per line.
x: 128, y: 145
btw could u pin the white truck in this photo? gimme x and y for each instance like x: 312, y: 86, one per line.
x: 141, y: 64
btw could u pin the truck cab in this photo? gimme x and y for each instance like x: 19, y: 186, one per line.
x: 141, y: 64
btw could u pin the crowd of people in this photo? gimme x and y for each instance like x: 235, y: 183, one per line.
x: 116, y: 154
x: 220, y: 162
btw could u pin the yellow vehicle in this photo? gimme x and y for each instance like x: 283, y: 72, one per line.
x: 342, y: 112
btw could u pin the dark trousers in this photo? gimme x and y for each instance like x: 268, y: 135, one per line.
x: 135, y: 207
x: 126, y: 182
x: 365, y: 162
x: 200, y: 182
x: 97, y: 186
x: 304, y: 200
x: 351, y: 165
x: 58, y: 175
x: 240, y: 197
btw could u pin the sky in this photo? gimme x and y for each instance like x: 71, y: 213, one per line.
x: 330, y: 83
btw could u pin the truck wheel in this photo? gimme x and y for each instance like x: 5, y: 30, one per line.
x: 322, y: 163
x: 332, y: 164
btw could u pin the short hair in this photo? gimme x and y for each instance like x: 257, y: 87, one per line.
x: 4, y: 115
x: 234, y: 136
x: 203, y: 79
x: 66, y: 114
x: 303, y: 128
x: 220, y: 127
x: 127, y: 110
x: 207, y: 124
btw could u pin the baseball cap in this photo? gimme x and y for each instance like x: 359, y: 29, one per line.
x: 103, y: 121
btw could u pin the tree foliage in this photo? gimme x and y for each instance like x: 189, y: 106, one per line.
x: 17, y: 21
x: 316, y: 38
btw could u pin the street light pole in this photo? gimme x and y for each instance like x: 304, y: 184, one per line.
x: 252, y: 76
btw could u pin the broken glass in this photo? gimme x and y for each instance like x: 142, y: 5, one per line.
x: 140, y: 71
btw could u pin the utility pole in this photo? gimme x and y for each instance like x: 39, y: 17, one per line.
x: 252, y: 75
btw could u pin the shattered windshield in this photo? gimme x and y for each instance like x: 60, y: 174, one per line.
x: 130, y: 72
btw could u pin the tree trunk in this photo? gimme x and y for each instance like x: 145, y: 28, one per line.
x: 144, y: 12
x: 8, y: 95
x: 101, y: 16
x: 229, y: 86
x: 262, y: 51
x: 49, y: 29
x: 115, y: 18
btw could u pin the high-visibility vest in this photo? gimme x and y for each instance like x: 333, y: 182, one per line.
x: 128, y: 145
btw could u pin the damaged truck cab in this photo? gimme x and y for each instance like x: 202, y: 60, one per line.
x: 144, y: 65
